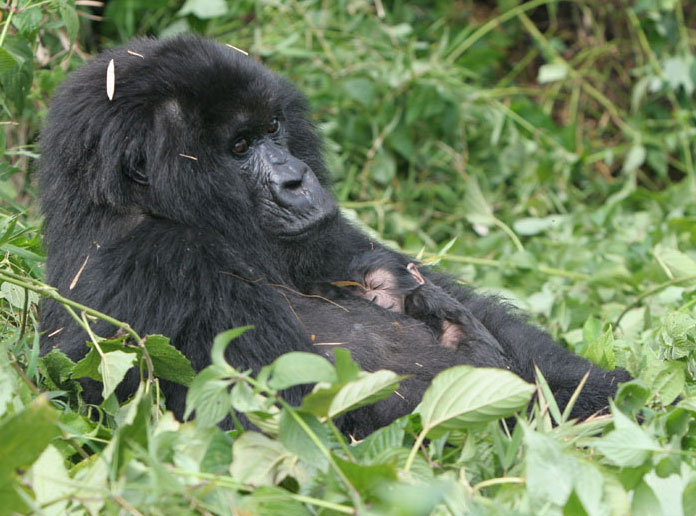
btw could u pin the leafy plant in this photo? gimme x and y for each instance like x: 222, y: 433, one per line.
x: 543, y: 150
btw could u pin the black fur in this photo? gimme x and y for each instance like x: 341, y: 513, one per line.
x: 181, y: 236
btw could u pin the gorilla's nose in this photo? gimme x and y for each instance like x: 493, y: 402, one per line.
x: 289, y: 185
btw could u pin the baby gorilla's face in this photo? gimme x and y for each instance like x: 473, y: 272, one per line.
x: 384, y: 289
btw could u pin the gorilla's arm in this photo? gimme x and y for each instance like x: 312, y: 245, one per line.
x: 488, y: 325
x: 527, y: 346
x: 168, y: 279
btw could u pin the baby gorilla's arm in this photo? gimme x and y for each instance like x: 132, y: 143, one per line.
x: 457, y: 323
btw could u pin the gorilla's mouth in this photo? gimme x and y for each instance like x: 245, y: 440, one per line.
x: 290, y: 226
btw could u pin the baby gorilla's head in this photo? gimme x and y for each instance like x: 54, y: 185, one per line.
x: 384, y: 282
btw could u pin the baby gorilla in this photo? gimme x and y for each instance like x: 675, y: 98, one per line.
x: 386, y: 280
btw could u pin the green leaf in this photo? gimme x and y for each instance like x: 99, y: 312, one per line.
x: 689, y: 498
x: 69, y: 16
x: 204, y: 9
x: 464, y: 394
x: 169, y: 363
x: 478, y: 211
x: 258, y: 460
x: 677, y: 336
x: 57, y: 367
x: 220, y: 343
x: 51, y: 482
x: 383, y: 167
x: 601, y: 350
x: 634, y: 158
x: 367, y: 479
x: 360, y: 89
x: 295, y: 439
x: 670, y: 381
x: 346, y: 368
x: 677, y: 71
x: 7, y: 61
x: 88, y: 367
x: 677, y: 263
x: 627, y: 445
x: 243, y: 398
x: 535, y: 225
x: 297, y: 368
x: 549, y: 472
x: 113, y: 368
x: 39, y: 422
x: 388, y: 437
x: 338, y: 399
x: 208, y: 396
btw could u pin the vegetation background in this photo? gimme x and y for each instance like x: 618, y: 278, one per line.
x: 543, y: 150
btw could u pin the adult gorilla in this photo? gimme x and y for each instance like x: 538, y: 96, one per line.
x: 196, y: 200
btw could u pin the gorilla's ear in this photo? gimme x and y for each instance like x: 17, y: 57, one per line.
x: 133, y: 164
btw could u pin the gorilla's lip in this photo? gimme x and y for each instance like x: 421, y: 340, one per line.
x: 310, y: 228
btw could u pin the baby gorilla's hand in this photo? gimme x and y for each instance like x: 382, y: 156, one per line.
x: 455, y: 322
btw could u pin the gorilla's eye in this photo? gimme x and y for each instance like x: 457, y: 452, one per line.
x: 273, y: 126
x: 240, y: 146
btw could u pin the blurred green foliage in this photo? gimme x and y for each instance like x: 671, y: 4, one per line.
x: 544, y: 150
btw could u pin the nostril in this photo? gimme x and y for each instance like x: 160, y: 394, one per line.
x: 294, y: 184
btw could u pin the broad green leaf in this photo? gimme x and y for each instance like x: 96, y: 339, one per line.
x: 208, y: 396
x: 645, y: 503
x: 383, y: 167
x: 244, y: 399
x: 258, y: 460
x: 88, y: 367
x: 69, y: 17
x: 220, y: 343
x: 670, y: 381
x: 346, y: 368
x: 689, y: 498
x: 336, y: 400
x: 478, y: 211
x: 549, y: 472
x: 56, y: 366
x: 465, y: 394
x: 388, y: 437
x: 628, y: 444
x: 678, y: 72
x: 677, y: 263
x: 632, y: 396
x: 51, y: 482
x: 38, y: 421
x: 92, y: 476
x: 299, y: 368
x: 295, y: 439
x: 366, y: 479
x: 7, y: 61
x: 588, y: 484
x: 360, y: 89
x: 601, y: 350
x: 113, y: 368
x: 169, y: 363
x: 677, y: 336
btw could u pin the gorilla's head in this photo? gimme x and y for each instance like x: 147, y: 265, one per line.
x: 196, y: 132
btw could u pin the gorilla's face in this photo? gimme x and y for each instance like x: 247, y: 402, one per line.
x: 288, y: 199
x: 210, y: 138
